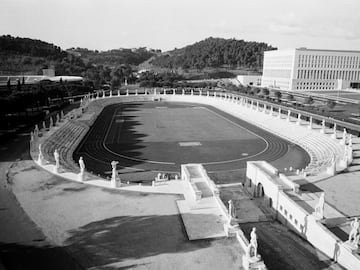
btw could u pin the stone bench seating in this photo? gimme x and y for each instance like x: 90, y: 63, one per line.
x: 63, y: 139
x: 320, y: 147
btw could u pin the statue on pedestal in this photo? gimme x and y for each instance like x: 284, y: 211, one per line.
x: 354, y: 233
x: 57, y: 160
x: 231, y: 210
x: 319, y: 208
x: 36, y: 130
x: 344, y: 136
x: 41, y: 156
x: 350, y: 140
x: 82, y: 165
x: 114, y: 175
x: 253, y: 240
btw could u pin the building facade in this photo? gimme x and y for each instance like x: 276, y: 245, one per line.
x: 305, y: 69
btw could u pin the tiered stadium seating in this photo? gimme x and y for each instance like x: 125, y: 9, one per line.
x: 63, y: 140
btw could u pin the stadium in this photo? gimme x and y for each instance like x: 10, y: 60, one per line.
x: 196, y: 142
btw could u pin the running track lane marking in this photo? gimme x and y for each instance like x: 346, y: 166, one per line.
x: 206, y: 163
x: 126, y: 157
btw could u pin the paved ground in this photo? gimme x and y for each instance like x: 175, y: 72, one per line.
x: 22, y: 244
x: 106, y: 229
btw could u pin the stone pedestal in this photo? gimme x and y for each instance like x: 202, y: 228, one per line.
x: 40, y: 159
x: 231, y: 228
x: 56, y: 169
x: 298, y: 122
x: 115, y: 183
x: 351, y: 246
x: 81, y: 177
x: 331, y: 170
x: 253, y: 263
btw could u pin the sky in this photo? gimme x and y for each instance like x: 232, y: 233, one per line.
x: 169, y: 24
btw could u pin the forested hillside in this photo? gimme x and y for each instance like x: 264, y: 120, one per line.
x: 216, y: 52
x: 114, y: 57
x: 30, y: 56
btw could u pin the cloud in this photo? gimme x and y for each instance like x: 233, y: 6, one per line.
x: 316, y: 27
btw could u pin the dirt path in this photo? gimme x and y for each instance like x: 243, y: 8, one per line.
x: 22, y: 244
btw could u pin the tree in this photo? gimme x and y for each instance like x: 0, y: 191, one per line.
x: 330, y: 104
x: 277, y: 95
x: 290, y: 97
x: 309, y: 100
x: 255, y: 91
x: 265, y: 92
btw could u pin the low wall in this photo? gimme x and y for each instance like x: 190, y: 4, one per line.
x: 303, y: 222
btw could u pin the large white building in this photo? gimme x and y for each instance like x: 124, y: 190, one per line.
x: 305, y: 69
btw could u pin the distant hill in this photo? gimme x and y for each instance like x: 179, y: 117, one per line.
x: 29, y: 56
x: 215, y: 53
x: 114, y: 57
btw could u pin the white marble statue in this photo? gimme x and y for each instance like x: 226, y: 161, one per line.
x: 350, y: 140
x: 43, y: 125
x: 82, y: 165
x: 57, y: 160
x: 231, y: 209
x: 253, y: 240
x: 344, y: 136
x: 114, y: 172
x: 353, y: 235
x: 32, y: 136
x: 319, y: 208
x: 41, y: 156
x: 57, y: 118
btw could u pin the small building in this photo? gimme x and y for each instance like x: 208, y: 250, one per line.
x: 252, y: 80
x: 303, y: 69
